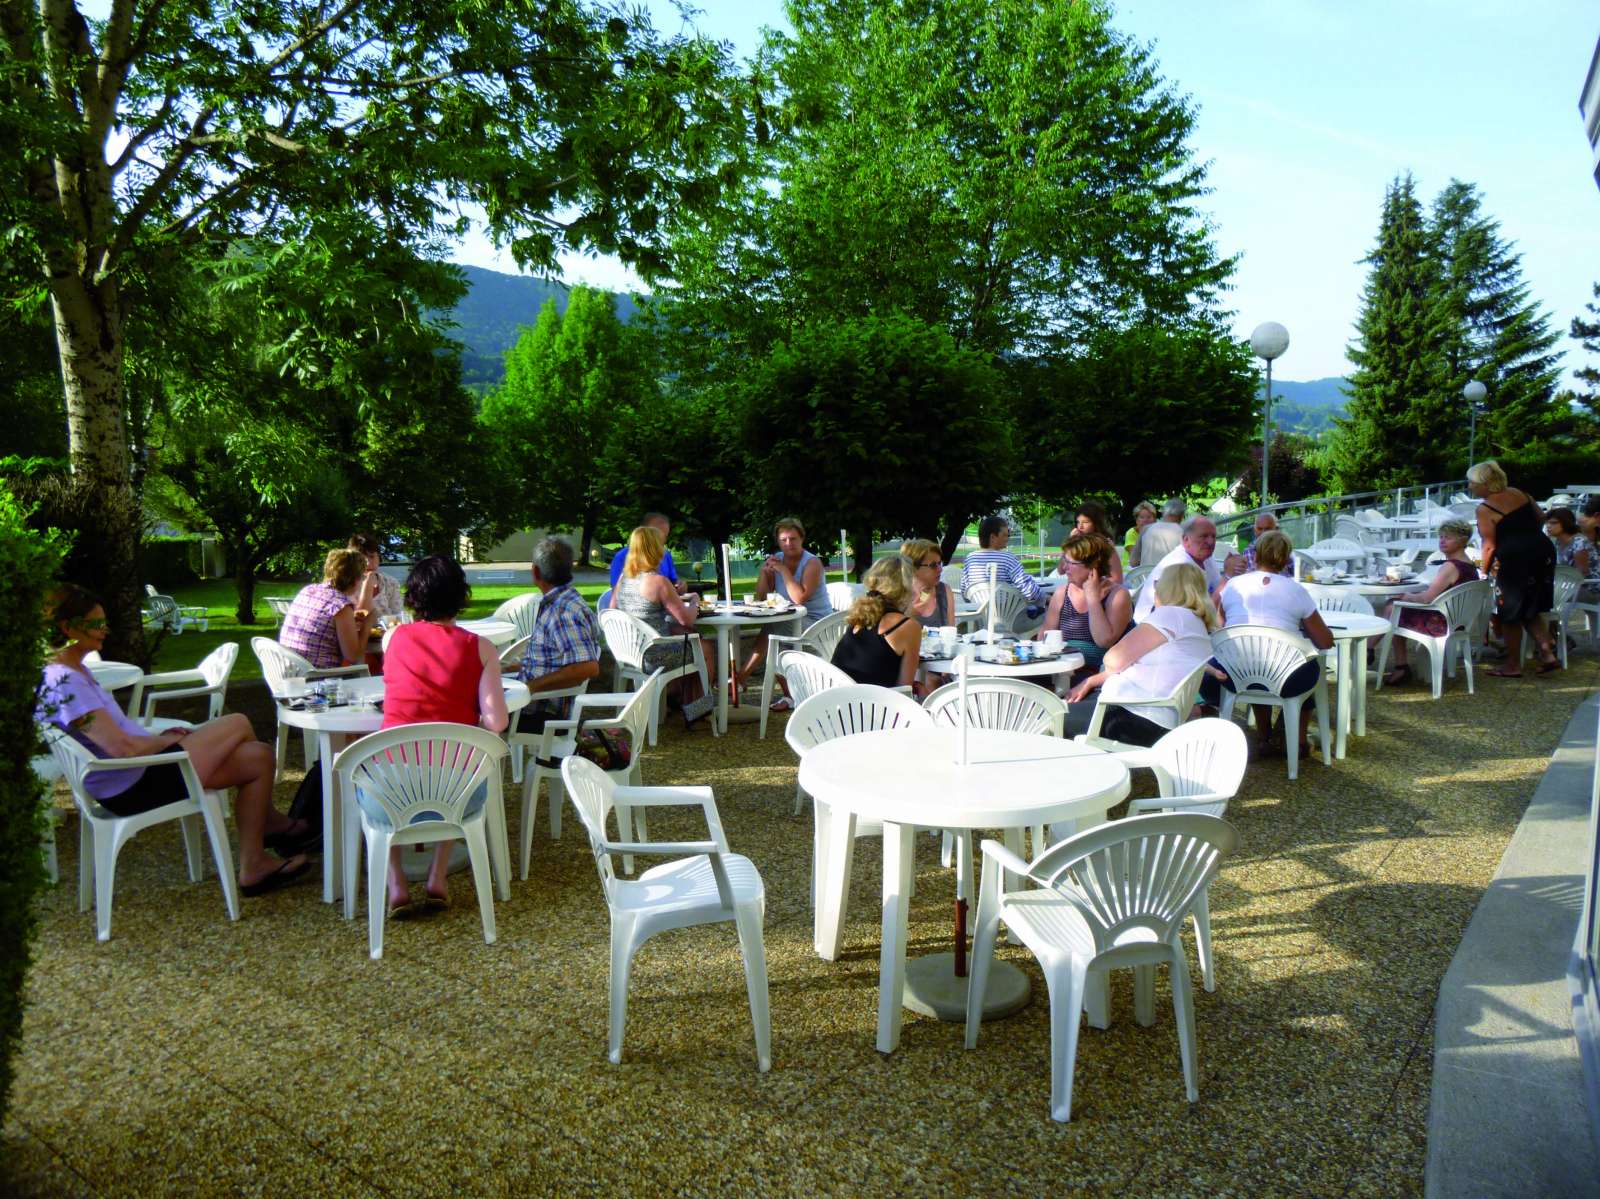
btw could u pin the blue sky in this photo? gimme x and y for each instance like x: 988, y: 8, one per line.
x: 1307, y: 110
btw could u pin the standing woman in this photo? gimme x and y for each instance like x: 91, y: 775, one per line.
x: 1091, y: 518
x: 1522, y: 561
x: 435, y: 671
x: 882, y: 644
x: 1093, y: 610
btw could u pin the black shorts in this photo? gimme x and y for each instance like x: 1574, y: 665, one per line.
x: 157, y: 787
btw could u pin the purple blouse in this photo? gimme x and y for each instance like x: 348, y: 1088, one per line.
x: 65, y: 697
x: 308, y: 629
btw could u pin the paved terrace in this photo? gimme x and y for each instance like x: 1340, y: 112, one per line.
x: 193, y: 1056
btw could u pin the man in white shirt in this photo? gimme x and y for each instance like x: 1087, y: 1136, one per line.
x: 1198, y: 543
x: 1161, y: 537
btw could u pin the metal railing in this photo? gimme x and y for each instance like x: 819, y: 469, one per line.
x: 1312, y: 519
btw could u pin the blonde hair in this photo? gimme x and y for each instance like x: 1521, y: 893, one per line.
x: 645, y: 549
x: 1183, y: 585
x: 1273, y: 549
x: 1091, y: 549
x: 343, y: 568
x: 1463, y: 529
x: 889, y: 582
x: 1488, y: 474
x: 915, y: 550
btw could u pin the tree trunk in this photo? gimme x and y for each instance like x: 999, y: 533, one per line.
x: 244, y: 584
x: 89, y: 339
x: 954, y: 528
x: 586, y: 537
x: 860, y: 555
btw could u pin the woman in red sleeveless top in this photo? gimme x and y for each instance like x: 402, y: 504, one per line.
x: 435, y: 671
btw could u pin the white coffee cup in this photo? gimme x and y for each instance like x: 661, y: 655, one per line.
x: 1393, y: 574
x: 294, y: 686
x: 750, y: 598
x: 1053, y: 641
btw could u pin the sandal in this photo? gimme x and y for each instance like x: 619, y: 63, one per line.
x: 1546, y: 667
x: 1502, y: 673
x: 1400, y: 674
x: 782, y: 704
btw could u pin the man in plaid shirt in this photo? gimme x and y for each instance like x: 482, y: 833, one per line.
x: 565, y: 647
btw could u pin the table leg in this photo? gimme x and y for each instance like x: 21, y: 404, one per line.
x: 836, y: 833
x: 721, y: 680
x: 1342, y: 707
x: 332, y: 825
x: 1360, y: 684
x: 897, y: 857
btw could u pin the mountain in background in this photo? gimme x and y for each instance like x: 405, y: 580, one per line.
x: 1307, y: 407
x: 490, y: 317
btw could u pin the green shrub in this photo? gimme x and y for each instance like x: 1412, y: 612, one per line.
x: 28, y: 564
x: 171, y: 562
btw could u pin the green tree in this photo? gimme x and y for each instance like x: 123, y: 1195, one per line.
x: 878, y: 425
x: 569, y: 380
x: 1586, y: 332
x: 162, y: 130
x: 1496, y: 334
x: 1400, y: 425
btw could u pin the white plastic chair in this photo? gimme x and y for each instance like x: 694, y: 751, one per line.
x: 209, y: 678
x: 1010, y: 606
x: 558, y: 741
x: 1339, y: 599
x: 421, y: 783
x: 1565, y: 596
x: 820, y: 640
x: 511, y: 656
x: 1180, y: 700
x: 1198, y: 768
x: 1260, y: 660
x: 950, y: 576
x: 1133, y: 578
x: 164, y: 610
x: 842, y: 595
x: 102, y: 833
x: 629, y: 639
x: 805, y: 674
x: 709, y: 887
x: 1109, y: 898
x: 1347, y: 550
x: 521, y: 611
x: 1465, y: 608
x: 604, y: 600
x: 279, y: 606
x: 278, y: 664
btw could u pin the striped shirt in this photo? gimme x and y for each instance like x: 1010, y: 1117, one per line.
x: 1008, y: 569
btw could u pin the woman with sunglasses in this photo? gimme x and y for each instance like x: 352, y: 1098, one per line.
x: 932, y: 602
x: 224, y: 751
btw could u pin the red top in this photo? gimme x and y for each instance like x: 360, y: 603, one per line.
x: 431, y: 673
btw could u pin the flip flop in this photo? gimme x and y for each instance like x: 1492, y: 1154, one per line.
x: 435, y: 903
x: 1504, y: 674
x: 1547, y: 667
x: 406, y: 909
x: 283, y: 876
x: 782, y: 704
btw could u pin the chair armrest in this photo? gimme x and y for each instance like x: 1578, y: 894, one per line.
x: 598, y: 699
x: 1412, y: 604
x: 689, y: 797
x: 662, y: 847
x: 175, y: 676
x: 94, y: 764
x: 1004, y: 857
x: 333, y: 672
x: 1176, y: 803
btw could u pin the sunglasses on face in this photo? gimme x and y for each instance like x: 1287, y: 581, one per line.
x: 90, y: 626
x: 929, y: 565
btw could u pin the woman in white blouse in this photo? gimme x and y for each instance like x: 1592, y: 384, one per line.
x: 1151, y: 660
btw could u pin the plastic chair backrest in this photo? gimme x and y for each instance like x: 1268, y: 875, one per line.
x: 1009, y: 603
x: 280, y: 604
x: 627, y: 637
x: 1204, y: 757
x: 1347, y: 528
x: 806, y: 675
x: 844, y: 711
x: 604, y: 602
x: 842, y: 595
x: 635, y: 714
x: 1342, y: 599
x: 1011, y: 705
x: 1181, y: 700
x: 216, y: 666
x: 1256, y: 655
x: 1334, y: 546
x: 278, y: 663
x: 521, y: 611
x: 1133, y: 578
x: 950, y: 576
x: 510, y: 657
x: 419, y: 773
x: 823, y: 637
x: 1134, y: 880
x: 1568, y: 580
x: 1466, y: 605
x: 590, y: 791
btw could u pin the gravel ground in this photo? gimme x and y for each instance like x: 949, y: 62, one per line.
x: 190, y: 1055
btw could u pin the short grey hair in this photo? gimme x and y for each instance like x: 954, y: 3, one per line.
x: 1188, y: 525
x: 553, y: 558
x: 1457, y: 528
x: 1173, y: 510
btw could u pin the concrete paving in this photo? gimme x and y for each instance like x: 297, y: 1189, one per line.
x: 1508, y: 1115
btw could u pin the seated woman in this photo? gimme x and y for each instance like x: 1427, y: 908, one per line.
x: 1456, y: 569
x: 224, y: 751
x: 796, y: 574
x: 1151, y: 660
x: 1091, y: 518
x: 1093, y: 610
x: 1574, y: 549
x: 933, y: 603
x: 643, y: 591
x: 329, y: 622
x: 882, y: 644
x: 436, y: 671
x: 1265, y: 596
x: 1144, y: 514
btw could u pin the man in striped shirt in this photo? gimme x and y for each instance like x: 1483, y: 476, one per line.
x: 993, y: 534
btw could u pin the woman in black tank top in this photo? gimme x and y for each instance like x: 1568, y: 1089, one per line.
x: 881, y: 645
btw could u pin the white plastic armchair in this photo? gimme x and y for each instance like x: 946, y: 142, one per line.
x: 1111, y: 898
x: 805, y: 674
x: 174, y: 615
x: 278, y: 664
x: 1198, y: 768
x: 1180, y: 700
x: 279, y: 606
x: 1564, y: 597
x: 418, y: 783
x: 1010, y: 606
x: 819, y: 640
x: 1338, y: 599
x: 842, y: 595
x: 1260, y: 660
x: 1465, y: 608
x: 209, y: 678
x: 1133, y: 578
x: 709, y: 886
x: 558, y: 741
x: 1346, y: 550
x: 629, y: 639
x: 102, y: 833
x: 521, y: 611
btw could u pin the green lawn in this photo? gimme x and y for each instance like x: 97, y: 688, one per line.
x: 217, y: 596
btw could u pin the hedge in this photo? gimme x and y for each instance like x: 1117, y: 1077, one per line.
x: 28, y: 564
x: 171, y: 562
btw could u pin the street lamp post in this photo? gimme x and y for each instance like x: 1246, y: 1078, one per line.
x: 1269, y: 341
x: 1473, y: 393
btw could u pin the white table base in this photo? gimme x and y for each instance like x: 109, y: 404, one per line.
x: 932, y: 989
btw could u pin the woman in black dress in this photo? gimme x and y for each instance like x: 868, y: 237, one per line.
x: 1522, y: 561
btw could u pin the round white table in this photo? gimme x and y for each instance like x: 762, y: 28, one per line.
x: 500, y: 633
x: 1350, y: 630
x: 726, y: 621
x: 910, y: 779
x: 350, y: 721
x: 113, y: 676
x: 1065, y: 663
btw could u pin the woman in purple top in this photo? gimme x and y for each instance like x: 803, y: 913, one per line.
x: 225, y: 752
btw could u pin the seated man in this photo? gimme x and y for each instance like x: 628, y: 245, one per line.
x: 668, y: 571
x: 1161, y: 538
x: 1198, y: 544
x: 1265, y: 523
x: 564, y: 649
x: 993, y: 534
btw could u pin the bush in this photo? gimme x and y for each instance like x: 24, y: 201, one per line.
x: 28, y: 564
x: 171, y: 562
